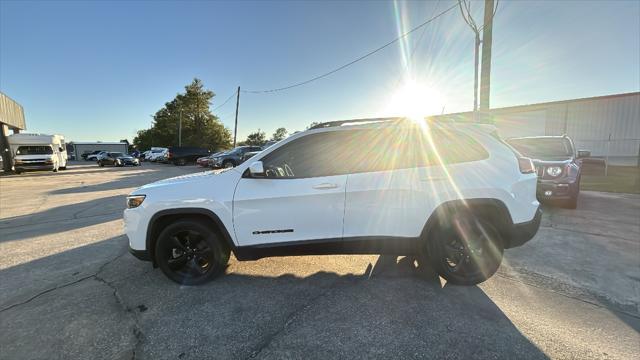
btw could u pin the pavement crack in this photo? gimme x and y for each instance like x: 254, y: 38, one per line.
x: 290, y: 319
x: 46, y: 292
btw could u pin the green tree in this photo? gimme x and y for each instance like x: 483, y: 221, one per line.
x: 199, y: 126
x: 257, y: 138
x: 279, y: 134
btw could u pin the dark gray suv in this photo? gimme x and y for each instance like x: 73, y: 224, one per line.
x: 233, y: 157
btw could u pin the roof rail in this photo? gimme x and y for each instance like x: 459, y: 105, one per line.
x: 354, y: 121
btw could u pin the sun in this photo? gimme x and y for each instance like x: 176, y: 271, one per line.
x: 415, y: 100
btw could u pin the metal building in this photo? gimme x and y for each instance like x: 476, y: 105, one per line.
x: 608, y: 126
x: 11, y: 118
x: 80, y: 148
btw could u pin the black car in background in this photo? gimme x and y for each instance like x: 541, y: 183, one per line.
x: 233, y: 157
x: 185, y: 155
x: 558, y: 166
x: 118, y: 159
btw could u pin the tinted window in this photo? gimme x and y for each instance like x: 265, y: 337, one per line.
x: 309, y: 156
x: 542, y: 148
x: 34, y: 150
x: 452, y: 147
x: 116, y: 154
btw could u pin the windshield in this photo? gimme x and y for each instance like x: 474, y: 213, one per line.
x: 543, y: 148
x: 34, y: 150
x: 117, y: 154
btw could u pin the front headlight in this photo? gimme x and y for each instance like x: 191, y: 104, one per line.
x: 133, y: 201
x: 554, y: 171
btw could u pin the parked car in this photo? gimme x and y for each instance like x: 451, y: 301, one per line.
x: 459, y: 207
x: 93, y: 156
x: 96, y: 156
x: 233, y: 157
x: 558, y: 166
x: 205, y: 161
x: 248, y: 155
x: 118, y: 159
x: 156, y: 154
x: 185, y: 155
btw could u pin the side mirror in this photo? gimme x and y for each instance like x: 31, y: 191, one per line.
x: 256, y: 169
x: 584, y: 154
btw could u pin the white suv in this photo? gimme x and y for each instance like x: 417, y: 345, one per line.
x: 453, y: 193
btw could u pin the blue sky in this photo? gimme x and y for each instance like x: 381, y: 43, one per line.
x: 99, y: 70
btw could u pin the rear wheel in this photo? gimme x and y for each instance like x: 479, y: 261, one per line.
x: 190, y: 253
x: 466, y: 251
x: 228, y: 164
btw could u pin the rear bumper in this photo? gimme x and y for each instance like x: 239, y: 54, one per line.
x: 523, y: 232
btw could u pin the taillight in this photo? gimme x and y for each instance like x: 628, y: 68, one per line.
x: 526, y: 165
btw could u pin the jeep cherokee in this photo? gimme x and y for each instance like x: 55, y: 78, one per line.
x: 452, y: 193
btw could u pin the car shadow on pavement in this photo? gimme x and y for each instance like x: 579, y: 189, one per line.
x: 124, y: 181
x: 62, y: 218
x: 390, y: 310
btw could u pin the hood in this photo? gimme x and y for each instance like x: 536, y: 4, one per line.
x: 551, y: 162
x: 126, y: 157
x: 184, y: 179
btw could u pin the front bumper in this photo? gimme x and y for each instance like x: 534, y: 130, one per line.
x: 523, y: 232
x: 140, y: 254
x: 26, y: 167
x: 553, y: 189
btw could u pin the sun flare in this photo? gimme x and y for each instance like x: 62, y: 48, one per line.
x: 415, y: 100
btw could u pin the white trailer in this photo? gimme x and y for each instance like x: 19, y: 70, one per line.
x: 38, y: 152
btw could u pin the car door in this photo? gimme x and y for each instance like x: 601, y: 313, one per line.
x: 381, y: 198
x: 300, y: 198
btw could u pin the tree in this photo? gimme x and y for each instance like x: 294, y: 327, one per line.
x: 279, y: 134
x: 257, y: 138
x: 312, y: 125
x: 200, y: 127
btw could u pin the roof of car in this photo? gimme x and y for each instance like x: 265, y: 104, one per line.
x: 539, y: 137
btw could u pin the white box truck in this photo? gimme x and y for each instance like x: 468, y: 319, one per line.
x: 38, y: 152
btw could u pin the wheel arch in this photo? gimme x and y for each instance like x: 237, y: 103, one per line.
x: 160, y: 220
x: 492, y: 210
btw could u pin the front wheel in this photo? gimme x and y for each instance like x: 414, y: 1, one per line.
x: 190, y: 253
x: 466, y: 251
x: 228, y: 164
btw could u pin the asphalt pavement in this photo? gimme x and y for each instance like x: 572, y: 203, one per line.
x: 69, y: 289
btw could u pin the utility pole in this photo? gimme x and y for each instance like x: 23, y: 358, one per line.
x: 485, y: 74
x: 235, y: 128
x: 180, y: 129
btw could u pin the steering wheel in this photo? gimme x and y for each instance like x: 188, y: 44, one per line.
x: 288, y: 171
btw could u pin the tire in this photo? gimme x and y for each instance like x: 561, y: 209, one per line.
x: 191, y: 253
x: 467, y: 259
x: 228, y: 164
x: 100, y: 163
x: 63, y: 168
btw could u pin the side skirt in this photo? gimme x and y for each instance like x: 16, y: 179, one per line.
x: 339, y: 246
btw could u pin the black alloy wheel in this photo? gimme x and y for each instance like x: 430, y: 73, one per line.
x: 190, y: 253
x: 467, y: 251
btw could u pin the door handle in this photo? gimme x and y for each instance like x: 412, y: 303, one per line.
x: 325, y: 186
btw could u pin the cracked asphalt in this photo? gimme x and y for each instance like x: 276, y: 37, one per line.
x: 70, y: 290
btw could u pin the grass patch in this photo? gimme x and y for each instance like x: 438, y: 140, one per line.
x: 620, y: 179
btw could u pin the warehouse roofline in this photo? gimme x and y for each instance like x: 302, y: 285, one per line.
x: 545, y: 104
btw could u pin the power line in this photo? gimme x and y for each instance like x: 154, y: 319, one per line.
x: 225, y: 102
x: 354, y: 61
